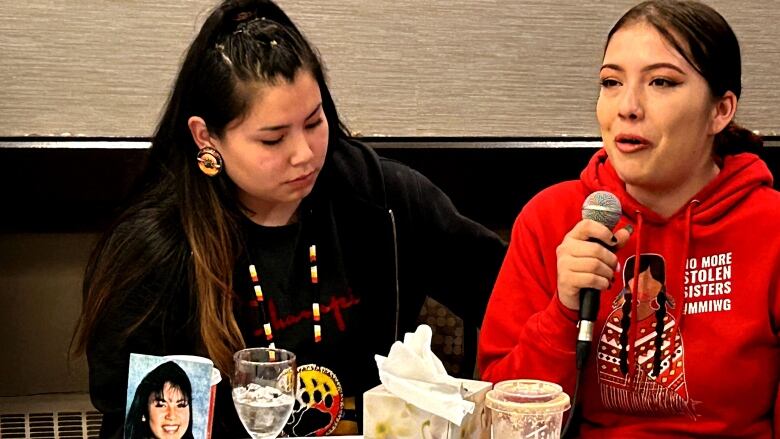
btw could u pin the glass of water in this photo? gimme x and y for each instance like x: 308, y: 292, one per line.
x: 264, y: 385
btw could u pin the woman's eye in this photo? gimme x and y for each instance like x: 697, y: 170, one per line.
x: 662, y: 82
x: 272, y: 142
x: 159, y: 404
x: 609, y: 82
x: 314, y: 124
x: 183, y: 404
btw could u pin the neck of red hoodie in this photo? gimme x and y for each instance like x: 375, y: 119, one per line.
x: 668, y: 201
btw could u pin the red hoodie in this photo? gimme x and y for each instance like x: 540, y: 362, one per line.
x: 708, y: 292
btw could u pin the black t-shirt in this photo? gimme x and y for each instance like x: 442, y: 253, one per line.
x: 281, y: 258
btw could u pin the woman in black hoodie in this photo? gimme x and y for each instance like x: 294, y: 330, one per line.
x: 259, y: 220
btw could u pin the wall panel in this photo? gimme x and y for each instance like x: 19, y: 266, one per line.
x: 397, y: 68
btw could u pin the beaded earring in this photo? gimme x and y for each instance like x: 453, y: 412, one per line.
x: 210, y: 161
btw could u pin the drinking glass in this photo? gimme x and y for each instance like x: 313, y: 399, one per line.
x: 264, y: 384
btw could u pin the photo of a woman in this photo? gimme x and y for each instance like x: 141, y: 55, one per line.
x: 161, y: 406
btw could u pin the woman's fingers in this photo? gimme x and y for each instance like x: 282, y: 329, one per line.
x: 583, y: 262
x: 622, y: 235
x: 587, y: 229
x: 587, y: 249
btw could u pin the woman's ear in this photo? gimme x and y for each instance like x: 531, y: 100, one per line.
x: 200, y: 132
x: 723, y: 113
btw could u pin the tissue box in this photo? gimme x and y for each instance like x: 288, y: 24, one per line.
x: 387, y: 416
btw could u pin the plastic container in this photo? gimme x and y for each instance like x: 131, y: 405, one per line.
x: 526, y: 409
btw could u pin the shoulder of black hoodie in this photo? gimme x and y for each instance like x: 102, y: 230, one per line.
x: 451, y: 257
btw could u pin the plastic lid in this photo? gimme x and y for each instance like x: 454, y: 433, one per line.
x: 527, y: 397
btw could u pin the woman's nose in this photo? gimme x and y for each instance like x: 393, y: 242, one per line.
x: 631, y: 105
x: 302, y: 151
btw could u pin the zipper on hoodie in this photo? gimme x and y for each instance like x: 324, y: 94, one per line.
x: 395, y: 272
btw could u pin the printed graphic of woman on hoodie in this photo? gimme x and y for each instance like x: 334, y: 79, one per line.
x: 657, y: 378
x: 700, y: 266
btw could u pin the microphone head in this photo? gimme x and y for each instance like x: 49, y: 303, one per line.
x: 602, y: 207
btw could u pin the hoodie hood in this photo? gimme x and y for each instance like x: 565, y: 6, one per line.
x: 740, y: 174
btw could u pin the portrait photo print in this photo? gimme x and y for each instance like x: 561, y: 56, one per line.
x: 167, y: 394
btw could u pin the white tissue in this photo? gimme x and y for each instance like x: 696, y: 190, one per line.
x: 413, y: 373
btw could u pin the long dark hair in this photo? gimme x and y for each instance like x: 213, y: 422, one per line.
x: 710, y: 46
x: 656, y: 265
x: 138, y: 419
x: 183, y: 218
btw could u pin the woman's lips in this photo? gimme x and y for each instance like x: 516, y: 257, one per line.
x: 302, y: 179
x: 170, y: 429
x: 628, y: 143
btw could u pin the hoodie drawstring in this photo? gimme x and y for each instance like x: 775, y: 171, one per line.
x: 634, y: 296
x: 680, y: 306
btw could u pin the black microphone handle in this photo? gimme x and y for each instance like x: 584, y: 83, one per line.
x: 589, y: 304
x: 589, y: 297
x: 589, y: 311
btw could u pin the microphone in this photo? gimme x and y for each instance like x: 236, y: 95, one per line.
x: 602, y: 207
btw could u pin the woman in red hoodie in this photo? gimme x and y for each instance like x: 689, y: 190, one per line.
x: 686, y: 339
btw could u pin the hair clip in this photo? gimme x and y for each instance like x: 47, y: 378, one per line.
x: 244, y: 25
x: 244, y: 16
x: 244, y: 19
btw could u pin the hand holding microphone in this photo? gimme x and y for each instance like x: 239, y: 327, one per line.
x: 586, y: 264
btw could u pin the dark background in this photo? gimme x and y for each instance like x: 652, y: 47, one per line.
x: 77, y: 188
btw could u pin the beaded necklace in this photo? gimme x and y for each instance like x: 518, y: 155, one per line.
x: 315, y: 306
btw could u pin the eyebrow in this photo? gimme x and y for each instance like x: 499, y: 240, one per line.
x: 280, y: 127
x: 159, y: 399
x: 660, y: 65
